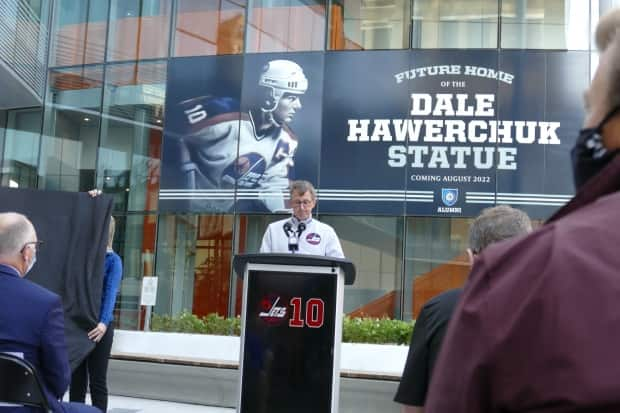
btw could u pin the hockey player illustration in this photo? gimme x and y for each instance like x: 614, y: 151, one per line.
x: 224, y: 147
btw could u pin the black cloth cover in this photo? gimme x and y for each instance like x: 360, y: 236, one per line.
x: 74, y: 229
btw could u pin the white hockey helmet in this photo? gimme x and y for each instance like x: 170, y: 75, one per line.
x: 280, y: 77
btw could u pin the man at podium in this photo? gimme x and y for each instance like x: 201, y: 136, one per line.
x: 301, y: 234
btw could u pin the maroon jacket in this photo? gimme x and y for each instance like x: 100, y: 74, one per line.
x: 538, y: 327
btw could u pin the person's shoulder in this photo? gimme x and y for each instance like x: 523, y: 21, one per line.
x: 208, y: 113
x: 38, y: 295
x: 507, y: 266
x: 323, y: 226
x: 444, y: 302
x: 207, y: 107
x: 279, y: 222
x: 113, y: 257
x: 450, y: 295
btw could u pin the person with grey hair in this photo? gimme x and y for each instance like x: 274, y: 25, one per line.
x: 492, y: 225
x: 301, y: 233
x: 32, y: 317
x: 537, y: 326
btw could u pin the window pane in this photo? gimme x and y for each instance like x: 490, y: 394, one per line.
x: 209, y: 27
x: 456, y: 24
x: 435, y: 259
x: 78, y: 32
x: 139, y: 29
x: 134, y: 241
x: 193, y: 264
x: 545, y: 24
x: 285, y: 26
x: 249, y: 230
x: 130, y: 150
x: 374, y: 245
x: 369, y: 24
x: 20, y: 151
x: 71, y: 129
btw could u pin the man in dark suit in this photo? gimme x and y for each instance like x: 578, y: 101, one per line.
x: 31, y: 317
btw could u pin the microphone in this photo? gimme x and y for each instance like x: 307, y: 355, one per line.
x: 293, y: 244
x: 287, y: 228
x: 300, y: 228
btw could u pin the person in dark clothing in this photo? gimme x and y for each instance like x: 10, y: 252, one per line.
x: 31, y: 317
x: 536, y: 329
x: 94, y: 368
x: 492, y: 225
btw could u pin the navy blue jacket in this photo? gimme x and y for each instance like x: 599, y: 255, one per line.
x: 32, y: 323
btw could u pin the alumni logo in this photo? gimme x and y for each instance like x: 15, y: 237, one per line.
x: 449, y: 197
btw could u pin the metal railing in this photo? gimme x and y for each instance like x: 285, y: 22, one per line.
x: 23, y: 43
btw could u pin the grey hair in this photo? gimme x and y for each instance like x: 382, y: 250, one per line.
x: 15, y: 231
x: 497, y: 224
x: 301, y: 187
x: 607, y: 37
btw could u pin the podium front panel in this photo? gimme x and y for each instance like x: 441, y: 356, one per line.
x: 288, y: 343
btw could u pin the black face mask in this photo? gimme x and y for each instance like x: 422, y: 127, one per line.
x: 589, y: 155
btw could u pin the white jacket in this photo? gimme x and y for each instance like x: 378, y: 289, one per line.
x: 317, y: 239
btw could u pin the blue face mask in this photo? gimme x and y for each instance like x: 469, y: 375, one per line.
x: 34, y: 259
x: 589, y: 156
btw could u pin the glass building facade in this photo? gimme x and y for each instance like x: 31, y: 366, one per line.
x: 103, y: 120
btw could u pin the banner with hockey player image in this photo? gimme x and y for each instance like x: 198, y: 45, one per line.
x: 238, y: 129
x: 395, y: 132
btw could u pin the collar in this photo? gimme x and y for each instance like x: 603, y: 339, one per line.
x: 604, y: 183
x: 296, y: 220
x: 9, y: 270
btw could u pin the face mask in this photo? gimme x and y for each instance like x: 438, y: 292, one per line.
x: 34, y: 259
x: 589, y: 156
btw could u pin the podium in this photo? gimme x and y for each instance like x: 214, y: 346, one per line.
x: 291, y: 329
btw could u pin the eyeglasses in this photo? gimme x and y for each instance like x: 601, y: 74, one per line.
x: 305, y: 202
x: 37, y: 245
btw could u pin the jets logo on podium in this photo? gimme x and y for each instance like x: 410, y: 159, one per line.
x: 271, y: 312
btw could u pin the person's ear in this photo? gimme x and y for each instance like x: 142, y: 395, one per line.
x: 471, y: 256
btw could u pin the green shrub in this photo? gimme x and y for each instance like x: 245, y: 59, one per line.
x: 376, y: 330
x: 354, y: 330
x: 190, y: 323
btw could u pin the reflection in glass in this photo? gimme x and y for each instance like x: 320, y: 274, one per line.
x: 375, y: 246
x: 78, y: 32
x: 139, y: 29
x: 193, y: 264
x: 369, y: 24
x: 545, y: 24
x: 131, y: 133
x: 19, y: 148
x: 435, y: 259
x: 211, y: 27
x: 71, y: 129
x: 288, y: 26
x: 134, y: 241
x: 457, y: 24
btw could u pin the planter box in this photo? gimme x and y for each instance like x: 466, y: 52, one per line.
x: 381, y: 361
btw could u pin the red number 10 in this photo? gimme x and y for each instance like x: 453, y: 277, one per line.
x: 315, y: 313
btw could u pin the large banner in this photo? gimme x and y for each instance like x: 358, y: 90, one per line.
x: 435, y: 132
